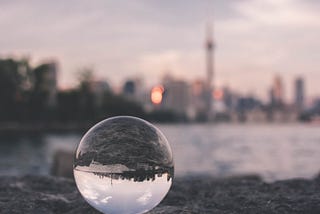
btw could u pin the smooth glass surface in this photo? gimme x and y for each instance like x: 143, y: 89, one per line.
x: 123, y: 165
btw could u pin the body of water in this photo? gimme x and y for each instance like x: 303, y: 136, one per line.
x: 272, y: 151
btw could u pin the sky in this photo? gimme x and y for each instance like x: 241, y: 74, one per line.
x: 255, y: 40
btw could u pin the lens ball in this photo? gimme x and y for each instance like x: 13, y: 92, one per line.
x: 123, y: 165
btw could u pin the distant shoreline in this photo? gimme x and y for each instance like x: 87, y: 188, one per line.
x: 14, y: 127
x: 40, y: 127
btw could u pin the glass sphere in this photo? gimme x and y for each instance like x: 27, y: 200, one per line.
x: 123, y: 165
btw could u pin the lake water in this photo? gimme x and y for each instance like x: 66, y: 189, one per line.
x: 272, y: 151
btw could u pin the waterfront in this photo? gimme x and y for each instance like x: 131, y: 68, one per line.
x: 273, y: 151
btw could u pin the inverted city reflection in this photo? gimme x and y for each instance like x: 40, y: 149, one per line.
x: 123, y: 165
x: 114, y: 193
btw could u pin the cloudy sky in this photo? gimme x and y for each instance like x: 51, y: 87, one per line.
x: 254, y: 39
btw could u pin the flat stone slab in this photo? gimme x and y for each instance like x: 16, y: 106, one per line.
x: 247, y: 194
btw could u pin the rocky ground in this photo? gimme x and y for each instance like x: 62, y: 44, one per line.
x: 248, y: 194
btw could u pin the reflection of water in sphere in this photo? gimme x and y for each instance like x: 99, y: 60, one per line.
x: 123, y: 165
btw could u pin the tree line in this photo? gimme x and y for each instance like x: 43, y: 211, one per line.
x: 29, y: 94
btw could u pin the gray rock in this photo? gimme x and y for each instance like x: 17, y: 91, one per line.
x: 62, y: 164
x: 248, y: 194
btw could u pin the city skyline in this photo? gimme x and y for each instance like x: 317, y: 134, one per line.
x: 254, y: 40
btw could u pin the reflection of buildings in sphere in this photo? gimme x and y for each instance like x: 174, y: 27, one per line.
x: 118, y: 171
x: 136, y: 176
x: 123, y: 151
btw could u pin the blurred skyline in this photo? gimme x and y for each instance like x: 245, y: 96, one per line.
x: 254, y: 40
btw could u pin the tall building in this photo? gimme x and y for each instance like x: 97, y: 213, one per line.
x: 209, y: 57
x: 210, y: 72
x: 46, y: 82
x: 134, y: 90
x: 176, y: 96
x: 129, y: 88
x: 299, y: 93
x: 277, y: 92
x: 198, y: 104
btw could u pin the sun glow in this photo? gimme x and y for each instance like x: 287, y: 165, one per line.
x: 218, y: 94
x: 156, y: 94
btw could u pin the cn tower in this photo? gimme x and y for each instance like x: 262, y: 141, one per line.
x: 210, y: 71
x: 209, y: 57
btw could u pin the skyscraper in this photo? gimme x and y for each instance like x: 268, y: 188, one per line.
x: 176, y: 96
x: 277, y: 93
x: 299, y: 93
